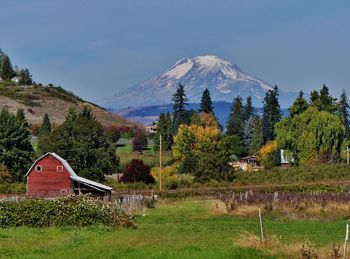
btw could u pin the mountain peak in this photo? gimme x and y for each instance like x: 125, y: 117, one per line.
x: 223, y: 79
x: 210, y: 61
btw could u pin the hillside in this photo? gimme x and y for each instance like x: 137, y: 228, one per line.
x: 37, y: 100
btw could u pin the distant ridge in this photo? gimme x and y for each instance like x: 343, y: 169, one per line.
x: 147, y: 115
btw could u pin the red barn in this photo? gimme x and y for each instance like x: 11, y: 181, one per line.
x: 52, y: 176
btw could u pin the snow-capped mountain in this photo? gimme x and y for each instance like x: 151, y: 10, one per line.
x: 223, y: 79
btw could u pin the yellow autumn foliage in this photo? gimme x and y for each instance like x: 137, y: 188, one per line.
x: 266, y: 154
x: 208, y: 120
x: 189, y: 138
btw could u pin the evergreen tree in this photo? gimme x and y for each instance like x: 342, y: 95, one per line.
x: 271, y: 113
x: 248, y: 109
x: 81, y: 140
x: 257, y: 139
x: 344, y: 112
x: 248, y: 131
x: 25, y: 78
x: 326, y: 100
x: 168, y: 137
x: 314, y: 96
x: 2, y: 55
x: 235, y: 121
x: 180, y: 115
x: 300, y: 104
x: 15, y: 145
x: 323, y: 101
x: 165, y: 129
x: 6, y: 71
x: 161, y: 129
x: 45, y: 126
x: 206, y: 104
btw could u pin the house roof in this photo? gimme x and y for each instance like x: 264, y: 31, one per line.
x: 248, y: 157
x: 73, y: 175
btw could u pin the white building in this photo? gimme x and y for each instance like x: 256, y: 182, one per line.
x: 15, y: 79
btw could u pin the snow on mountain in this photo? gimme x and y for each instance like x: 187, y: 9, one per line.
x: 223, y: 79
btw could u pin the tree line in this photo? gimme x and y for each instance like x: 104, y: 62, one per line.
x: 315, y: 131
x: 7, y: 71
x: 80, y: 139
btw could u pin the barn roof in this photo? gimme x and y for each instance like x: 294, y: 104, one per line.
x: 73, y: 175
x: 91, y: 183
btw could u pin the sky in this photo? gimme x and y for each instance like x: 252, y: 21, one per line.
x: 98, y: 48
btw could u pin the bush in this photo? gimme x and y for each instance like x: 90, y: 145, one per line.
x: 72, y: 210
x: 137, y: 171
x: 171, y: 180
x: 5, y: 174
x: 139, y: 142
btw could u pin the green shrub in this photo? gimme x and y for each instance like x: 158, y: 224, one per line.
x: 12, y: 188
x: 170, y: 179
x: 72, y: 210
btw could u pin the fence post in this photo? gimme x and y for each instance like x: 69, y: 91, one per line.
x: 261, y: 227
x: 346, y: 240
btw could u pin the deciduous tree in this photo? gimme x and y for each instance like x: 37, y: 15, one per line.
x: 311, y: 137
x: 82, y: 142
x: 137, y: 171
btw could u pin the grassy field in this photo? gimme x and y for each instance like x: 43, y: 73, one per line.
x: 175, y: 229
x: 149, y: 157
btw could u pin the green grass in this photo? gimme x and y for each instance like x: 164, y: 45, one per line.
x: 149, y: 157
x: 179, y: 229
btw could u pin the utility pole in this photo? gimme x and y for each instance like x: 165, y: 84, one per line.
x: 347, y: 155
x: 160, y: 164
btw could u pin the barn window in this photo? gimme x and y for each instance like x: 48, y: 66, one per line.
x: 38, y: 168
x: 59, y: 169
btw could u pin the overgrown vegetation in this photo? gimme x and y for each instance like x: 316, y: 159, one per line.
x: 12, y: 188
x: 79, y: 211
